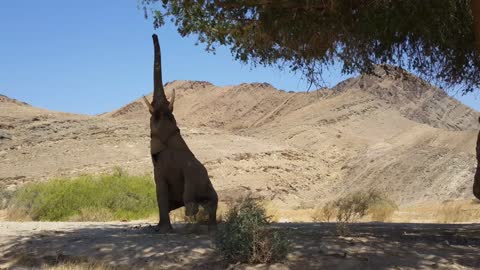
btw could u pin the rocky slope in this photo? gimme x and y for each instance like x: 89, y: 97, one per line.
x: 392, y: 132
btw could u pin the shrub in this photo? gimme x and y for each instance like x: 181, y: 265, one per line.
x: 5, y: 196
x: 355, y: 206
x: 246, y: 236
x: 325, y: 213
x: 119, y: 196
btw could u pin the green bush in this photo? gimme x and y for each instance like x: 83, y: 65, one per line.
x: 246, y: 236
x: 122, y: 196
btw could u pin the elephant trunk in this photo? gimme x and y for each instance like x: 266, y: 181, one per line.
x: 159, y: 98
x: 476, y: 181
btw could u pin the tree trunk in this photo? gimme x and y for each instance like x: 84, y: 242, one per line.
x: 475, y: 6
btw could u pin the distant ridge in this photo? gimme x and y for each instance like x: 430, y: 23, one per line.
x: 241, y: 105
x: 5, y: 99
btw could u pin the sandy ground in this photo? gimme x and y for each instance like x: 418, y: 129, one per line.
x: 315, y: 246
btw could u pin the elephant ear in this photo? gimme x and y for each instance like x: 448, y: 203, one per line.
x: 149, y: 105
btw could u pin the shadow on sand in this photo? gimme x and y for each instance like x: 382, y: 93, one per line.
x: 315, y: 246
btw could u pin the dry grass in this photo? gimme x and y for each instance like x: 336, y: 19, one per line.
x: 382, y: 211
x: 466, y: 211
x: 93, y: 214
x: 272, y: 211
x: 458, y: 211
x: 19, y: 214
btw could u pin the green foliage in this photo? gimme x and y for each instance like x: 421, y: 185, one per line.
x: 246, y: 237
x: 433, y: 38
x: 117, y: 196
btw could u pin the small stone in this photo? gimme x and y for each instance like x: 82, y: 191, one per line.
x: 4, y: 135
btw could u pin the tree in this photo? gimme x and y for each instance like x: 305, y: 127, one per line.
x: 433, y: 38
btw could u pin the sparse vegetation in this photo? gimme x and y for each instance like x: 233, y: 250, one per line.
x: 354, y: 207
x: 5, y: 196
x: 116, y: 196
x: 246, y: 236
x: 324, y: 214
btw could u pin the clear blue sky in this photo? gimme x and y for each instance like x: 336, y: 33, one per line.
x: 93, y: 56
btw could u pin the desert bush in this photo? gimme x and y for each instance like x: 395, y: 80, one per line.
x: 357, y: 205
x: 325, y: 213
x: 119, y: 196
x: 5, y: 196
x: 246, y: 236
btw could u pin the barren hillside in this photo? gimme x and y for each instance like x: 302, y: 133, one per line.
x: 392, y: 132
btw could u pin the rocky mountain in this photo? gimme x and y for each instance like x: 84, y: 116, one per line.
x: 390, y: 131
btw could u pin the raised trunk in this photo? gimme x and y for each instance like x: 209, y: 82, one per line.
x: 159, y: 98
x: 476, y: 180
x: 475, y: 7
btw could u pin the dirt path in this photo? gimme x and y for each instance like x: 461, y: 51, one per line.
x: 134, y: 244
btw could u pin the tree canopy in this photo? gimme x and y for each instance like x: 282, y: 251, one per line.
x: 433, y: 38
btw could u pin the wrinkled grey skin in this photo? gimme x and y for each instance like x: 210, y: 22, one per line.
x: 180, y: 179
x: 476, y: 182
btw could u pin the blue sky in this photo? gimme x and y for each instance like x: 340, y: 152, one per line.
x: 95, y: 56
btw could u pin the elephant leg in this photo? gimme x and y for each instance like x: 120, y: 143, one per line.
x: 211, y: 208
x: 164, y: 224
x: 189, y: 193
x: 191, y: 205
x: 476, y: 183
x: 175, y: 205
